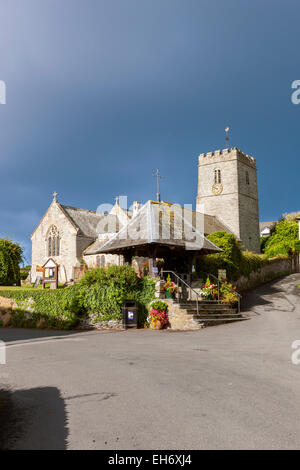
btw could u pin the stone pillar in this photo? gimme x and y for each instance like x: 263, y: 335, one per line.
x: 152, y: 261
x: 159, y: 293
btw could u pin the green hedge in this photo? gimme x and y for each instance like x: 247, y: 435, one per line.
x: 58, y: 308
x: 101, y: 291
x: 233, y: 259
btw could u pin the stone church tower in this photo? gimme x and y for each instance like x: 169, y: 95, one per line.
x: 227, y: 189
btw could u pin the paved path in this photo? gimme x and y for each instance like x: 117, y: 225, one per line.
x: 225, y: 387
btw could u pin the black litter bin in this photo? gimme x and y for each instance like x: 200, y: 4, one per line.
x: 130, y: 314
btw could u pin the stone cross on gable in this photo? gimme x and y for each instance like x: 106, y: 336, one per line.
x: 55, y: 194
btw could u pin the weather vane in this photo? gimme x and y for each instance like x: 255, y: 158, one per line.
x: 158, y: 177
x: 227, y: 136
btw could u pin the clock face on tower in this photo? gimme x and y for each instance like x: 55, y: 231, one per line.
x: 217, y: 188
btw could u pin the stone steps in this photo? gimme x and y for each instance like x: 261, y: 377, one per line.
x: 211, y: 313
x: 208, y: 307
x: 184, y: 315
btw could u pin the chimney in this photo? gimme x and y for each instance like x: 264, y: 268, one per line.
x: 136, y: 207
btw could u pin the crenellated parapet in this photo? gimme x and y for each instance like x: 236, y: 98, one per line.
x: 225, y: 155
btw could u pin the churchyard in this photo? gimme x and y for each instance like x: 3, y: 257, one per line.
x: 96, y: 300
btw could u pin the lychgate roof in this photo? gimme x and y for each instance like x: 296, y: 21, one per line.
x: 159, y: 223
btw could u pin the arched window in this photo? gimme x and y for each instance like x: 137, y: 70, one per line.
x: 217, y: 176
x: 247, y: 178
x: 102, y: 261
x: 53, y: 241
x: 98, y: 261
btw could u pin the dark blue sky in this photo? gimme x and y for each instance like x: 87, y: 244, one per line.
x: 100, y: 93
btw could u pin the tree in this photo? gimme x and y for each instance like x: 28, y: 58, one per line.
x: 284, y: 240
x: 10, y: 258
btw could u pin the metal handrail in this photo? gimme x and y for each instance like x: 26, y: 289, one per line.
x: 197, y: 295
x: 186, y: 284
x: 229, y: 288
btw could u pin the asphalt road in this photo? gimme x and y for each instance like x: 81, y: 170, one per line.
x: 225, y: 387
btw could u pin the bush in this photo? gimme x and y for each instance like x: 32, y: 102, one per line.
x: 59, y: 308
x: 10, y: 257
x: 101, y: 291
x: 263, y: 241
x: 284, y: 240
x: 233, y: 259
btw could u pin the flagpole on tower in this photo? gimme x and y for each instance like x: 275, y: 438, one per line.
x: 158, y: 177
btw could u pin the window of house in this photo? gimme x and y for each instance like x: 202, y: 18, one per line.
x: 102, y: 261
x: 217, y: 176
x: 53, y: 241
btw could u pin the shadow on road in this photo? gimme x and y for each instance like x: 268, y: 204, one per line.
x: 24, y: 334
x: 33, y: 419
x: 261, y: 295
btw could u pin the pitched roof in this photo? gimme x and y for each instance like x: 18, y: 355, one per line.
x: 264, y: 225
x: 161, y: 223
x: 91, y: 223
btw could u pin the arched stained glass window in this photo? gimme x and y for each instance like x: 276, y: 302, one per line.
x: 53, y: 241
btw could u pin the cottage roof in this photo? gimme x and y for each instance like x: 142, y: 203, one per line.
x: 264, y: 225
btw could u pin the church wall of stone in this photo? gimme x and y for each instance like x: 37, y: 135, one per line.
x: 68, y: 246
x: 102, y: 260
x: 237, y: 204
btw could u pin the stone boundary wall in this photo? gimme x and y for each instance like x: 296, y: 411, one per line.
x: 274, y: 269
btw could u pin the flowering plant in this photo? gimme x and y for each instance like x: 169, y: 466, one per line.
x: 158, y: 313
x: 170, y: 286
x: 209, y: 290
x: 228, y: 294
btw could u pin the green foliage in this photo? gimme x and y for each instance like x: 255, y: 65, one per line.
x: 23, y: 274
x: 233, y: 259
x: 10, y: 257
x: 250, y: 262
x: 58, y: 307
x: 101, y: 291
x: 263, y: 241
x: 121, y: 275
x: 228, y: 294
x: 284, y: 240
x: 159, y: 305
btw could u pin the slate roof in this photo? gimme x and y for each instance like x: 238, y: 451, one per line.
x: 91, y: 223
x: 161, y: 223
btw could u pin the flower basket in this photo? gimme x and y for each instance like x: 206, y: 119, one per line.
x: 170, y: 289
x: 156, y: 325
x: 169, y: 294
x: 158, y: 316
x: 209, y: 291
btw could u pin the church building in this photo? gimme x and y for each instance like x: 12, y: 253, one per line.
x: 227, y: 200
